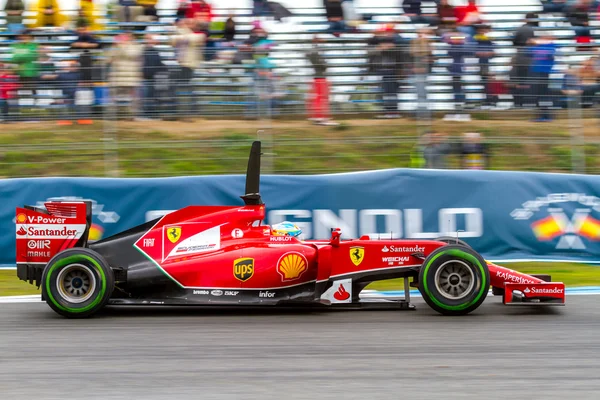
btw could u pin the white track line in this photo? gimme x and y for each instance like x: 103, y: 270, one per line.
x: 21, y: 299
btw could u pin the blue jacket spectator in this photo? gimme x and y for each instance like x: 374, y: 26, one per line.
x: 543, y: 57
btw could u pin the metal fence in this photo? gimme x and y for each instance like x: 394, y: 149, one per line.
x: 119, y: 117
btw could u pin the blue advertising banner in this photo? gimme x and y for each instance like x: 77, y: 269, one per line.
x: 506, y: 216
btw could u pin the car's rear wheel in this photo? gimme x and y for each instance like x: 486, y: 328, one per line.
x: 454, y: 280
x: 77, y: 283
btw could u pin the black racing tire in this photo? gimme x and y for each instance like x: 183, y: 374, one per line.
x: 454, y: 280
x: 452, y: 240
x: 77, y: 283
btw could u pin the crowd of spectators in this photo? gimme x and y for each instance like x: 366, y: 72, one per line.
x: 144, y: 82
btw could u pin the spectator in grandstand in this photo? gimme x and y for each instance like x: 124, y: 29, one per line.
x: 25, y: 54
x: 553, y: 6
x: 484, y: 50
x: 588, y: 77
x: 318, y: 104
x: 149, y: 12
x: 578, y: 15
x: 47, y: 67
x: 335, y: 15
x: 261, y: 46
x: 88, y: 11
x: 264, y: 8
x: 522, y: 40
x: 153, y: 69
x: 8, y: 88
x: 467, y: 17
x: 543, y: 52
x: 229, y: 30
x: 571, y: 88
x: 421, y: 55
x: 198, y: 9
x: 14, y: 15
x: 85, y: 43
x: 474, y: 153
x: 49, y: 14
x: 458, y: 49
x: 68, y: 79
x: 446, y: 15
x: 388, y: 58
x: 413, y: 10
x: 85, y: 39
x: 260, y: 8
x: 125, y: 71
x: 128, y: 10
x: 436, y: 150
x: 189, y: 50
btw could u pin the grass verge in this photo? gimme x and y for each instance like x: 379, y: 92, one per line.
x: 571, y: 274
x: 130, y: 149
x: 10, y: 285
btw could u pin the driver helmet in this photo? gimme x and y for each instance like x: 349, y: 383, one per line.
x: 286, y: 228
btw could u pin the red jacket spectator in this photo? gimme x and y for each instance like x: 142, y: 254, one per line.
x: 467, y: 15
x: 8, y: 85
x: 199, y: 6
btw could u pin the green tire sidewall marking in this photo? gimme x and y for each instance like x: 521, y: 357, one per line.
x: 70, y: 260
x: 469, y: 257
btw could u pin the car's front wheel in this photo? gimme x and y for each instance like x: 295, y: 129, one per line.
x: 454, y: 280
x: 77, y: 283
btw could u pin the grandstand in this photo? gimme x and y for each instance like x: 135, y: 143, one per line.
x: 221, y: 87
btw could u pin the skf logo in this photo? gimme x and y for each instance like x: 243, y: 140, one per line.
x: 174, y: 233
x: 558, y: 225
x: 243, y: 268
x: 357, y: 254
x: 291, y: 266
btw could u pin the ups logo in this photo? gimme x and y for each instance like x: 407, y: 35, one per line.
x: 243, y: 268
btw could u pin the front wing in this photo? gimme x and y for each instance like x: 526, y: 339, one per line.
x: 523, y: 289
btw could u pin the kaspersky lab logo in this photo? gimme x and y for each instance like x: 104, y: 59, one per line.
x: 550, y: 221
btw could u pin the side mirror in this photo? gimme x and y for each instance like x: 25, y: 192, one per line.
x: 335, y: 237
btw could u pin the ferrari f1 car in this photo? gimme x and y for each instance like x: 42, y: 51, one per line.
x: 225, y: 255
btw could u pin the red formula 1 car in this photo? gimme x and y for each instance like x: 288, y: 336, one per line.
x: 224, y: 255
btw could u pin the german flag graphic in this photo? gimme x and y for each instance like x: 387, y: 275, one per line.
x: 589, y: 228
x: 548, y: 228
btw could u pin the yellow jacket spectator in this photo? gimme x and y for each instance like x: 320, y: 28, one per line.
x: 147, y: 3
x: 87, y: 9
x: 48, y: 13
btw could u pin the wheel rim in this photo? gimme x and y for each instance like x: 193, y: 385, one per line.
x: 76, y: 283
x: 454, y: 279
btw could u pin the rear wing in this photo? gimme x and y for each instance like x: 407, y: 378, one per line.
x: 42, y: 232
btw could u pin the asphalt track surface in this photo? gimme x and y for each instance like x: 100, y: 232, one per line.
x: 141, y: 353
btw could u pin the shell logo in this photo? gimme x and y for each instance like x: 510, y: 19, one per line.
x: 21, y: 218
x: 291, y: 266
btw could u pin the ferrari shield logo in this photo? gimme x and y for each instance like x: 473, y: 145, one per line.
x: 174, y: 233
x: 357, y: 254
x: 243, y: 268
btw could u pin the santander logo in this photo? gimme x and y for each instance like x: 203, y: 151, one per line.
x: 341, y: 294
